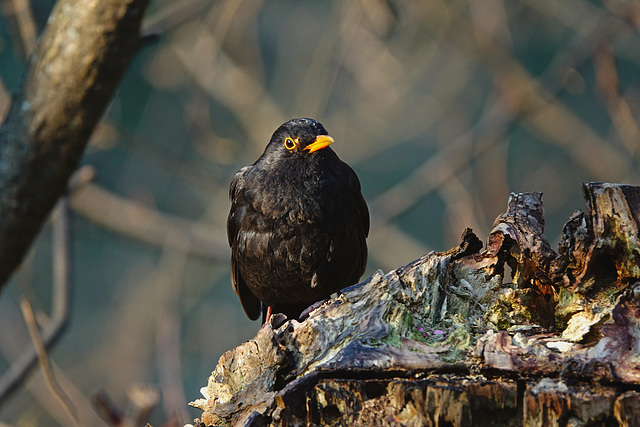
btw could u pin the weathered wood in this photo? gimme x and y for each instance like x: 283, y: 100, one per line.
x: 446, y: 340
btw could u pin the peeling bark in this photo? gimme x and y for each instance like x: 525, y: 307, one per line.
x: 446, y: 340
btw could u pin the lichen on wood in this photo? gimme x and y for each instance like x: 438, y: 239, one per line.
x: 447, y: 337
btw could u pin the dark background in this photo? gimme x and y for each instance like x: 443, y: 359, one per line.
x: 442, y: 107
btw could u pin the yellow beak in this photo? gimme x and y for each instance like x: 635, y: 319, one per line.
x: 321, y: 142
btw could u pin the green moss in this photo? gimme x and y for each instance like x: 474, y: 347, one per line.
x: 400, y: 323
x: 461, y: 343
x: 460, y: 338
x: 569, y: 303
x: 511, y: 308
x: 419, y: 335
x: 393, y: 339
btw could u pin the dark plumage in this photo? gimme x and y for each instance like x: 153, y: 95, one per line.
x: 297, y: 225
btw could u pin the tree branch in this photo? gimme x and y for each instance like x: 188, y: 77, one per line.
x: 67, y: 86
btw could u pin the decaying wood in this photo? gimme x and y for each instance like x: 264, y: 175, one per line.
x: 84, y: 50
x: 448, y: 340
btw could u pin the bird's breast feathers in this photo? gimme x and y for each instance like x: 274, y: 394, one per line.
x: 293, y: 198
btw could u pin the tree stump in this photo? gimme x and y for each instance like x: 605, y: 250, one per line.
x: 449, y: 340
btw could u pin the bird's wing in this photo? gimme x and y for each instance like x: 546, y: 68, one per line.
x: 346, y: 259
x: 362, y: 221
x: 251, y: 305
x: 363, y: 214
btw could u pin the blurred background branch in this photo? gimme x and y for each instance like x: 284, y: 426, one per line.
x: 53, y: 326
x: 43, y: 360
x: 442, y: 108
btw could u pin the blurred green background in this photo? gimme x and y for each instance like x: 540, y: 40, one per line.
x: 442, y: 107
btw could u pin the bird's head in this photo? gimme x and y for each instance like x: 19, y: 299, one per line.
x: 298, y: 137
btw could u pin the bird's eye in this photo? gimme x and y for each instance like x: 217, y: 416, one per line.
x: 289, y: 144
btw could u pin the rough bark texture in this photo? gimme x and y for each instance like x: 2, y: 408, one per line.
x: 69, y: 81
x: 447, y: 340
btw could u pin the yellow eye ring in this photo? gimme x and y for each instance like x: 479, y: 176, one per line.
x: 289, y: 144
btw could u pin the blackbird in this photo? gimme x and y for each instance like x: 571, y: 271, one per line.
x: 298, y: 224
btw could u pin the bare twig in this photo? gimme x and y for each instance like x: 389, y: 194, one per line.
x: 534, y: 105
x: 62, y: 277
x: 251, y: 102
x: 60, y: 305
x: 21, y: 10
x: 38, y: 389
x: 618, y: 107
x: 107, y: 409
x: 168, y: 335
x: 5, y: 100
x: 19, y: 13
x: 172, y: 15
x: 148, y: 225
x: 143, y: 398
x: 43, y: 360
x: 439, y: 168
